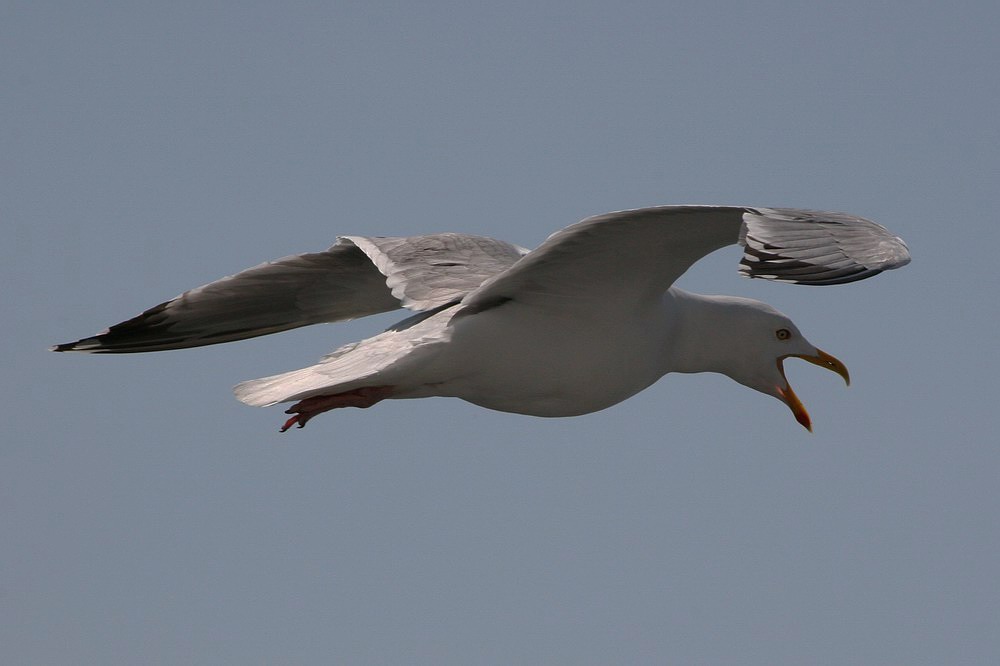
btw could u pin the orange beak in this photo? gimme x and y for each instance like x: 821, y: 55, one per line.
x: 823, y: 360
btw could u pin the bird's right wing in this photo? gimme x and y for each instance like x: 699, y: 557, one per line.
x: 358, y: 276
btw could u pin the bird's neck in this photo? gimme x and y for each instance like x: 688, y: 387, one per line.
x: 704, y: 338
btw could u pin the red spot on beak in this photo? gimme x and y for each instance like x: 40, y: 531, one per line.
x: 823, y: 360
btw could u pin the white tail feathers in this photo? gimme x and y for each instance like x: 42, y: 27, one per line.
x: 385, y: 358
x: 271, y: 390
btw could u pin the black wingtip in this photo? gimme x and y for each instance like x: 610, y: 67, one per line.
x: 84, y: 345
x: 142, y: 333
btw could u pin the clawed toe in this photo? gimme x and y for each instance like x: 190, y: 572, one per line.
x: 292, y: 421
x: 300, y: 415
x: 304, y: 410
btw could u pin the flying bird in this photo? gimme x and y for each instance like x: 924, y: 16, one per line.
x: 586, y: 320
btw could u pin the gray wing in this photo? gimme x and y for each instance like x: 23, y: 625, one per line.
x: 425, y: 272
x: 358, y: 276
x: 816, y: 247
x: 637, y: 254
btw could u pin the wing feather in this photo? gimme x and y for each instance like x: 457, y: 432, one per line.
x: 618, y: 258
x: 637, y: 254
x: 816, y: 247
x: 358, y: 276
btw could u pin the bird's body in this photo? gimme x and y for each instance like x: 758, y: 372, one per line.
x: 529, y: 366
x: 587, y: 320
x: 534, y: 367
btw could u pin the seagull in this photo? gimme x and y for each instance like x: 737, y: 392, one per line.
x: 589, y: 318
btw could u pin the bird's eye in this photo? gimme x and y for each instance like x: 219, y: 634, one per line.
x: 783, y: 334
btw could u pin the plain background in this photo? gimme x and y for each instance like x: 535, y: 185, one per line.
x: 148, y: 517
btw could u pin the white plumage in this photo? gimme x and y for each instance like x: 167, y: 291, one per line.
x: 586, y: 320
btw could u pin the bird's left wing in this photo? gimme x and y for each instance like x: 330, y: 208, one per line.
x: 357, y: 277
x: 638, y: 254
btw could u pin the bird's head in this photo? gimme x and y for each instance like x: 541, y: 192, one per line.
x: 771, y: 339
x: 750, y: 341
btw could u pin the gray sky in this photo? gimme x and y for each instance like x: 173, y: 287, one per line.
x: 148, y: 517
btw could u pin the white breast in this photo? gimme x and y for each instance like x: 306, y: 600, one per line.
x: 525, y: 359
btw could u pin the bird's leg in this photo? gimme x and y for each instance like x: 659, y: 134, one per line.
x: 304, y: 410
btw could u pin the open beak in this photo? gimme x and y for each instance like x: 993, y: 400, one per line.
x: 823, y: 360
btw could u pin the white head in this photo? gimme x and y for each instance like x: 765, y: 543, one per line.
x: 748, y: 341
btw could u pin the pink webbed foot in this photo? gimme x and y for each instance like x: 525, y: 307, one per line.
x: 304, y: 410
